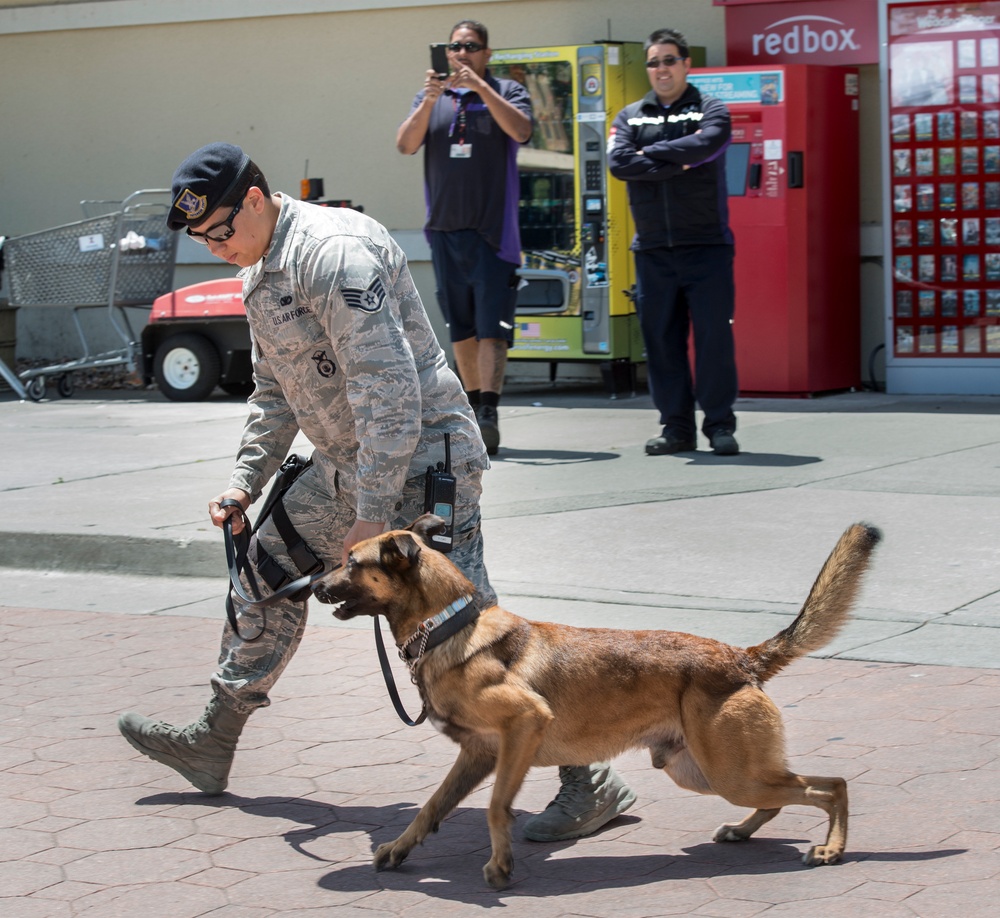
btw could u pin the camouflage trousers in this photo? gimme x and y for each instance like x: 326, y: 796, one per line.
x: 248, y: 669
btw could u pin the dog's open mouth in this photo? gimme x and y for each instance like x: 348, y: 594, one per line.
x: 341, y: 607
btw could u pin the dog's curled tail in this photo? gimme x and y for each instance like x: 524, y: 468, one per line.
x: 827, y: 607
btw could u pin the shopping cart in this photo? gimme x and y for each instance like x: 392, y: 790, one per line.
x: 120, y: 255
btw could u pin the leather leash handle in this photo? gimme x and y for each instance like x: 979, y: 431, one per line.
x: 236, y: 560
x: 390, y: 683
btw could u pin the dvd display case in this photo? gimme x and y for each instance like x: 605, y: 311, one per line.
x: 941, y: 138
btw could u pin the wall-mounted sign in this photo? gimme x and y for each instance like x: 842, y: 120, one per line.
x: 830, y: 32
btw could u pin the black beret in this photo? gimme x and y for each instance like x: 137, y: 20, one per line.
x: 206, y: 180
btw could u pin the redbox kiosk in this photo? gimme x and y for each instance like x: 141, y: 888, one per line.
x: 793, y: 177
x: 941, y: 170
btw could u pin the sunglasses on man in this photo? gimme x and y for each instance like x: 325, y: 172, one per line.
x: 212, y: 234
x: 668, y: 60
x: 470, y: 46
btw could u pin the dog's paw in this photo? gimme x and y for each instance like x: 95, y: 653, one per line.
x: 822, y: 854
x: 390, y: 855
x: 497, y: 876
x: 728, y: 833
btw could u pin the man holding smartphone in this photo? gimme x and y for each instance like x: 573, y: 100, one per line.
x: 470, y: 125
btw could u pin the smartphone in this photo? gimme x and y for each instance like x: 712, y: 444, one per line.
x: 439, y: 61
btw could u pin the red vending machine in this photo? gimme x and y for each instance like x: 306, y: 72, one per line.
x: 793, y: 177
x: 940, y: 72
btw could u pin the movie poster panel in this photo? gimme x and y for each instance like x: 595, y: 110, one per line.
x: 943, y: 134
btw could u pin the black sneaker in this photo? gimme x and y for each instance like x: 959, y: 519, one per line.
x: 669, y: 443
x: 489, y: 427
x: 724, y: 443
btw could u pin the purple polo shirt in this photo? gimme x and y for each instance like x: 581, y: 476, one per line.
x: 479, y: 191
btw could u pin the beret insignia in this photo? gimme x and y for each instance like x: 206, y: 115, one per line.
x: 190, y: 204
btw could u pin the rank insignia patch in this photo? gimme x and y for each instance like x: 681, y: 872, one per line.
x: 369, y: 299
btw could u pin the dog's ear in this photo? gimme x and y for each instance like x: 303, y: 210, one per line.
x: 428, y: 525
x: 399, y: 552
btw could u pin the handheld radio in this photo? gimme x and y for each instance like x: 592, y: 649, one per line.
x: 439, y: 498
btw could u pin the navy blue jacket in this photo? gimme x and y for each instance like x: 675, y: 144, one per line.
x: 672, y: 205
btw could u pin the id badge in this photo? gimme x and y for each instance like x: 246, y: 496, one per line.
x: 461, y: 151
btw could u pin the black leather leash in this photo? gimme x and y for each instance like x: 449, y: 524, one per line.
x: 390, y: 683
x: 237, y: 546
x: 236, y: 560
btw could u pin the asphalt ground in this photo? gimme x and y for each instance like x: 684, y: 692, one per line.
x: 111, y: 599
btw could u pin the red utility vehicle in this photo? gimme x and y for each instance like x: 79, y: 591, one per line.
x: 198, y: 338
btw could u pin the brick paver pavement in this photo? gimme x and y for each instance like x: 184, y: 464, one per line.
x: 90, y: 828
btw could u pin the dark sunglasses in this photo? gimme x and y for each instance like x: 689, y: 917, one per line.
x: 470, y: 46
x: 212, y: 234
x: 668, y: 60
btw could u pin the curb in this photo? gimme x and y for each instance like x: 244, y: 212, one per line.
x: 112, y: 554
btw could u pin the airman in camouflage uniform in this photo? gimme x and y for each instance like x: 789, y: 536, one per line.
x: 344, y: 352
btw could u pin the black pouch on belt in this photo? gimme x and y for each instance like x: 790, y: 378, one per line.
x: 300, y: 553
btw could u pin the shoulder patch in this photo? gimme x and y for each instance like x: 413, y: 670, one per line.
x: 367, y: 299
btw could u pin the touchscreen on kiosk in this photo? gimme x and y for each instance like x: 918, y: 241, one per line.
x: 737, y: 162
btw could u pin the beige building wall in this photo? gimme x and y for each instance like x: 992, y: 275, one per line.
x: 103, y: 98
x: 100, y: 112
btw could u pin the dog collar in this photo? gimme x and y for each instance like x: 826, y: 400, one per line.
x: 438, y: 628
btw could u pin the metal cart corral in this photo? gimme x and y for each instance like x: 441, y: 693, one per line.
x: 122, y: 256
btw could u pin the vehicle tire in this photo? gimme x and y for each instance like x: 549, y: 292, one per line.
x: 242, y: 389
x: 35, y: 387
x: 186, y: 367
x: 65, y: 385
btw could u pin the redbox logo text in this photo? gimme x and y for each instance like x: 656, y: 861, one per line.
x: 804, y: 35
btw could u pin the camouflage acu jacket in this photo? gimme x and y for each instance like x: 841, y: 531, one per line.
x: 343, y: 351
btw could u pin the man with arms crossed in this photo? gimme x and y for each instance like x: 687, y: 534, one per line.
x: 669, y: 147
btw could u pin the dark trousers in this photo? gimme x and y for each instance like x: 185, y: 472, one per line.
x: 682, y: 288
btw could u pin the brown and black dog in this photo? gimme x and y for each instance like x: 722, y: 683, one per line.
x: 515, y: 693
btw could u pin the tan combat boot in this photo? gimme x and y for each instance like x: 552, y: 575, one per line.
x: 590, y: 796
x: 202, y: 751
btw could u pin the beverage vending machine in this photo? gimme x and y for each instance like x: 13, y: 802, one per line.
x: 793, y: 189
x: 575, y: 303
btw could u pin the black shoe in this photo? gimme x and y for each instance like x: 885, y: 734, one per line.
x: 669, y: 443
x: 489, y: 427
x: 724, y: 443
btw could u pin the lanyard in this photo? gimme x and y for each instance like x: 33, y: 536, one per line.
x: 457, y: 129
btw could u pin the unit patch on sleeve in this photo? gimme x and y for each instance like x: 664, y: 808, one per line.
x: 324, y: 365
x: 368, y: 299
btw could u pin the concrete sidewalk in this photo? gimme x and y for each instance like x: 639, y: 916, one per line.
x: 111, y: 599
x: 580, y: 525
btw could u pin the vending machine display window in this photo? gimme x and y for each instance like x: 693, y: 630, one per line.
x: 574, y: 301
x: 941, y: 166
